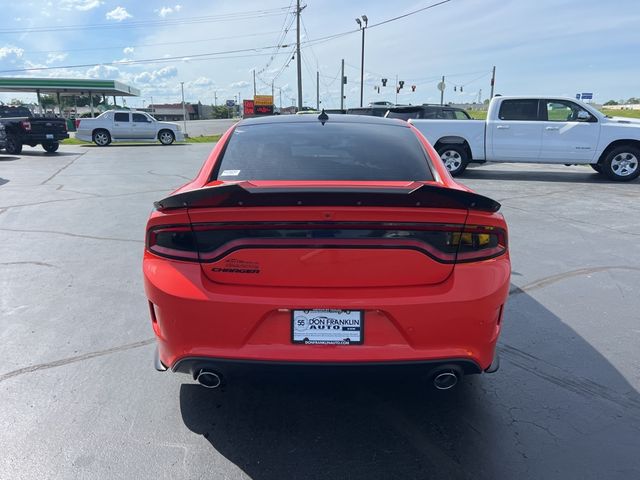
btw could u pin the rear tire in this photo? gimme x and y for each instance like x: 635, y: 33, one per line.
x: 101, y: 138
x: 596, y: 166
x: 166, y: 137
x: 13, y: 145
x: 51, y: 147
x: 622, y: 164
x: 455, y: 158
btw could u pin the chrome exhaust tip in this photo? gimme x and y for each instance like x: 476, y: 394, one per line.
x: 445, y: 380
x: 209, y: 379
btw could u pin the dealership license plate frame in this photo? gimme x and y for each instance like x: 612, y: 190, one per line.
x: 49, y: 136
x: 297, y: 335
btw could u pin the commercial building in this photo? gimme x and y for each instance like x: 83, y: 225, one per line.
x: 172, y: 112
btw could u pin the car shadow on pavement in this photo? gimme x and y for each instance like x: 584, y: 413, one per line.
x: 36, y: 153
x: 6, y: 158
x: 586, y: 176
x: 557, y: 409
x: 120, y: 145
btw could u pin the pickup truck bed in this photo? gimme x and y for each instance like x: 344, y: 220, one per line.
x: 24, y: 129
x: 551, y: 130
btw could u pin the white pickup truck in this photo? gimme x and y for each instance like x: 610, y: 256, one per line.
x: 539, y: 130
x: 127, y: 126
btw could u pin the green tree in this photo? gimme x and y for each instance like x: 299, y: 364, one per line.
x: 611, y: 102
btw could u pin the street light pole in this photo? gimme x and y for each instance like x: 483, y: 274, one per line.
x: 184, y: 110
x: 363, y: 26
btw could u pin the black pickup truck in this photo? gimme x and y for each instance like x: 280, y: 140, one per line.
x: 22, y: 128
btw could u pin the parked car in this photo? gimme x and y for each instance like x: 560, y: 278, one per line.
x: 3, y: 137
x: 23, y: 128
x: 302, y: 233
x: 539, y: 130
x: 368, y: 111
x: 127, y: 126
x: 426, y: 111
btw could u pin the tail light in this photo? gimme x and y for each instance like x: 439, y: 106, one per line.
x: 77, y: 123
x: 445, y: 243
x: 65, y: 126
x: 26, y: 125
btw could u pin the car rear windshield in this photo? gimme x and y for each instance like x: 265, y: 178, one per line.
x: 333, y: 151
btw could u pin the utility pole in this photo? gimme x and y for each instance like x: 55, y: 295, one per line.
x: 493, y: 81
x: 442, y: 91
x: 480, y: 96
x: 396, y: 89
x: 342, y: 87
x: 317, y: 90
x: 298, y: 57
x: 280, y: 90
x: 215, y: 99
x: 184, y: 109
x: 363, y: 27
x: 272, y: 91
x: 254, y: 82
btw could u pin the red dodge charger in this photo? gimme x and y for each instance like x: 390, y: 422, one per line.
x: 326, y: 241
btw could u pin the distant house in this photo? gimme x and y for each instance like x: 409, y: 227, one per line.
x: 172, y: 112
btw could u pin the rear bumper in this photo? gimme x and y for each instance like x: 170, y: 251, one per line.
x: 226, y: 368
x: 197, y: 321
x: 42, y: 138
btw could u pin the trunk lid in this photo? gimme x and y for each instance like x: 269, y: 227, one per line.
x: 326, y: 234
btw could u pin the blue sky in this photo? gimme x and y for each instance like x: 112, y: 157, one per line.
x: 552, y: 47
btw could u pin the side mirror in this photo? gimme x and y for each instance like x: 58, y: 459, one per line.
x: 583, y: 116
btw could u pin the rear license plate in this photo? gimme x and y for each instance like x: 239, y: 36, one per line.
x: 49, y: 136
x: 327, y: 327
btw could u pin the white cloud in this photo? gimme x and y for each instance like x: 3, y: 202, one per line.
x: 103, y: 72
x: 10, y: 50
x: 55, y: 57
x: 240, y: 84
x: 118, y: 14
x: 81, y: 5
x: 164, y: 11
x: 154, y: 76
x: 128, y: 50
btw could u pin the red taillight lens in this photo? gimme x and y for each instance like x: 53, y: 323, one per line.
x: 177, y: 242
x: 445, y: 243
x: 480, y: 242
x: 77, y: 122
x: 26, y: 125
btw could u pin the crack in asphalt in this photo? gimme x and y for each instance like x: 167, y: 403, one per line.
x: 75, y: 235
x: 68, y: 164
x: 573, y: 220
x: 546, y: 281
x: 564, y: 379
x: 89, y: 196
x: 75, y: 359
x: 169, y: 175
x: 41, y: 264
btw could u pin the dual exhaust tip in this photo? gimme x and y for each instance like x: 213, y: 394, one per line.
x: 209, y: 379
x: 446, y: 377
x: 443, y: 378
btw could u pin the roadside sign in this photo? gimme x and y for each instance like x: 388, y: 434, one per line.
x: 587, y: 96
x: 577, y: 96
x: 230, y: 103
x: 248, y: 107
x: 263, y: 100
x: 263, y: 109
x: 441, y: 86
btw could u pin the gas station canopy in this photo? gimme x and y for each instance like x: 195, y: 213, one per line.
x: 62, y: 86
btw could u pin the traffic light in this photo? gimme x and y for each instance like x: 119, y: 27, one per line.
x: 384, y: 82
x: 413, y: 88
x: 397, y: 89
x: 401, y: 83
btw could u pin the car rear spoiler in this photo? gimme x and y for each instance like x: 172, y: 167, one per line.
x: 245, y: 194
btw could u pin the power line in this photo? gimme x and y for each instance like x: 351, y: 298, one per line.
x: 150, y: 44
x: 153, y: 23
x: 308, y: 43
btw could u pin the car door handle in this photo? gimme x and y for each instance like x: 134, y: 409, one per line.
x: 503, y: 127
x: 552, y: 128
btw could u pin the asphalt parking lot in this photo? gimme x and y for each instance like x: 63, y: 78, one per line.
x: 80, y: 397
